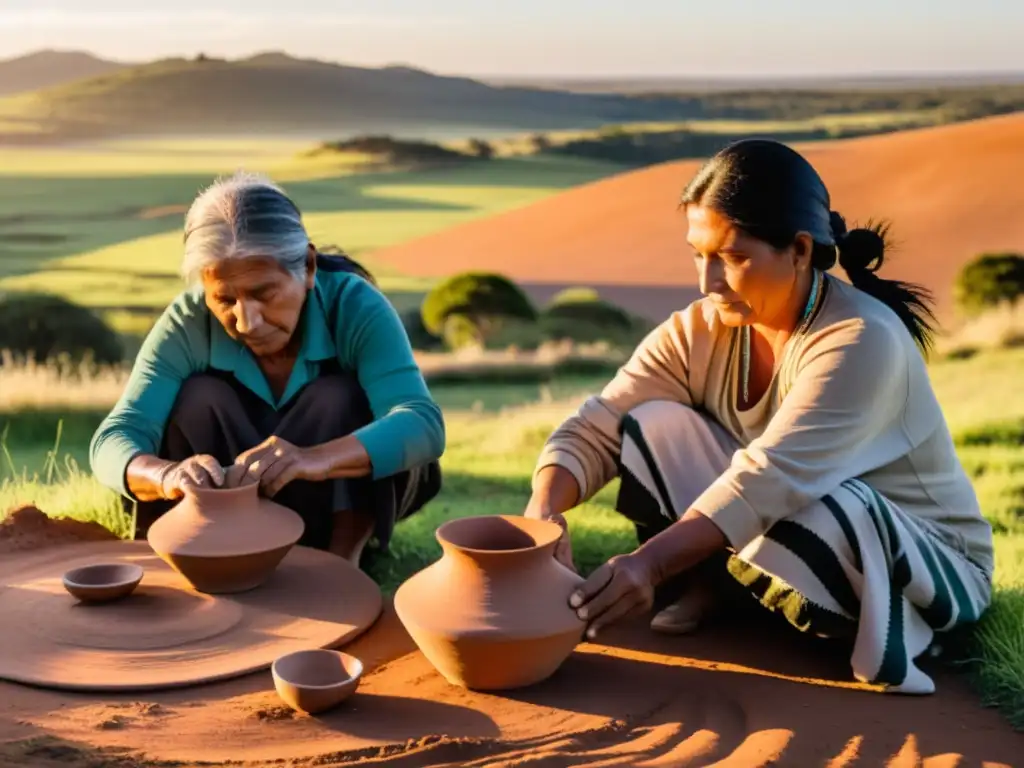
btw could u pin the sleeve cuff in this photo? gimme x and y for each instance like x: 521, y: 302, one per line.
x: 386, y: 451
x: 726, y: 508
x: 568, y: 462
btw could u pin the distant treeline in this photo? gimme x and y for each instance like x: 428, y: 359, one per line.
x: 393, y: 152
x: 639, y: 148
x: 961, y: 103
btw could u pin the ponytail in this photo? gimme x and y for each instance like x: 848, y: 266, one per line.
x: 331, y: 258
x: 861, y: 255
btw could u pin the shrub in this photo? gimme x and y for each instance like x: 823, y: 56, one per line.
x: 519, y: 334
x: 419, y: 336
x: 393, y: 151
x: 44, y: 327
x: 460, y: 331
x: 482, y: 149
x: 990, y: 280
x: 585, y: 305
x: 479, y: 300
x: 581, y: 315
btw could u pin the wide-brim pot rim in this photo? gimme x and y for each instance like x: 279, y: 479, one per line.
x: 137, y: 573
x: 445, y: 527
x: 347, y: 660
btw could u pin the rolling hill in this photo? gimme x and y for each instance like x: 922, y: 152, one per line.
x: 950, y: 192
x: 44, y: 69
x: 273, y: 93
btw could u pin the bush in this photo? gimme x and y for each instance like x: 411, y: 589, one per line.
x: 482, y: 149
x: 419, y: 336
x: 581, y: 315
x: 460, y: 331
x: 478, y: 301
x: 393, y: 151
x: 519, y: 334
x: 990, y: 280
x: 585, y: 305
x: 44, y: 327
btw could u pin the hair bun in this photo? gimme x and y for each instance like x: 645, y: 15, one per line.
x: 838, y: 225
x: 862, y: 251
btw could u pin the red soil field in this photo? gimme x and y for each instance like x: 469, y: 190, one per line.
x: 949, y: 192
x: 729, y: 695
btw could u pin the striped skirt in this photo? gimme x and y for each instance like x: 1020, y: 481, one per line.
x: 852, y: 564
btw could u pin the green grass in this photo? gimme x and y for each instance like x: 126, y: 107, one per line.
x: 495, y: 433
x: 102, y: 225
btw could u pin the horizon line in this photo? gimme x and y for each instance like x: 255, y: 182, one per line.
x: 760, y: 76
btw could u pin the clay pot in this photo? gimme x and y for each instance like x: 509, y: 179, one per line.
x: 316, y: 680
x: 493, y: 613
x: 102, y: 582
x: 225, y: 540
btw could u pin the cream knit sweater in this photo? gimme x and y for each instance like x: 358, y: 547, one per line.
x: 850, y: 398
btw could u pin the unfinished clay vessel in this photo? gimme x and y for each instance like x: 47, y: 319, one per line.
x: 315, y: 680
x: 493, y: 613
x: 225, y: 540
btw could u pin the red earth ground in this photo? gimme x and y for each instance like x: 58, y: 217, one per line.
x: 726, y: 696
x: 949, y: 192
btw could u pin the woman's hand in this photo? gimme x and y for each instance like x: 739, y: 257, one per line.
x: 624, y: 586
x: 555, y: 492
x: 621, y: 588
x: 539, y: 509
x: 202, y: 471
x: 563, y: 549
x: 276, y: 462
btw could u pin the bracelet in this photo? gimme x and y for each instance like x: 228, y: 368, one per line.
x: 163, y: 476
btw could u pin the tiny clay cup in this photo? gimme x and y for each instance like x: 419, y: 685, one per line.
x: 316, y: 680
x: 102, y: 582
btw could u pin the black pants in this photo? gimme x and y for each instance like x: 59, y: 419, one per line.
x: 215, y: 414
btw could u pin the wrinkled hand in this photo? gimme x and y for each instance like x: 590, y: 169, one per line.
x: 202, y: 471
x: 276, y: 462
x: 621, y: 588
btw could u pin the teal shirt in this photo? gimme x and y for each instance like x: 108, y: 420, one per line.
x: 365, y: 336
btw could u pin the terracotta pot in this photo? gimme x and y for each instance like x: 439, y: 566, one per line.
x: 225, y: 540
x: 493, y: 612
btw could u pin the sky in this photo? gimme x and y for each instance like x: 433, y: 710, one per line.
x: 572, y: 38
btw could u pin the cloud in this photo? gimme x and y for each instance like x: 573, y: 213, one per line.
x: 147, y: 19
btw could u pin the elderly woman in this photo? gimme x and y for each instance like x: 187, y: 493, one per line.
x: 283, y: 360
x: 781, y: 430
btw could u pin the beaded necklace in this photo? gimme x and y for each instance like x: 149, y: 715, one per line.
x: 804, y: 321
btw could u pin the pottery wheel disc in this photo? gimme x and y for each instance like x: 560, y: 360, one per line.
x: 166, y: 635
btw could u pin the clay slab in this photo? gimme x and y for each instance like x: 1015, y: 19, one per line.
x: 167, y: 635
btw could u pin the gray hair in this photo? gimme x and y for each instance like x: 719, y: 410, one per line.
x: 243, y: 215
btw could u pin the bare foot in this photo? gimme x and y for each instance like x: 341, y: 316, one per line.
x: 352, y: 532
x: 685, y: 614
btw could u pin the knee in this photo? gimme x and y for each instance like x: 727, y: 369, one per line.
x: 659, y: 412
x: 202, y: 394
x: 661, y: 423
x: 338, y: 398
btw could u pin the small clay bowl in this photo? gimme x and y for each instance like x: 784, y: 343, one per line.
x: 103, y: 582
x: 316, y: 680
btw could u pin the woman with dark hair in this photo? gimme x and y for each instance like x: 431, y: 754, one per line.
x: 286, y: 361
x: 781, y: 433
